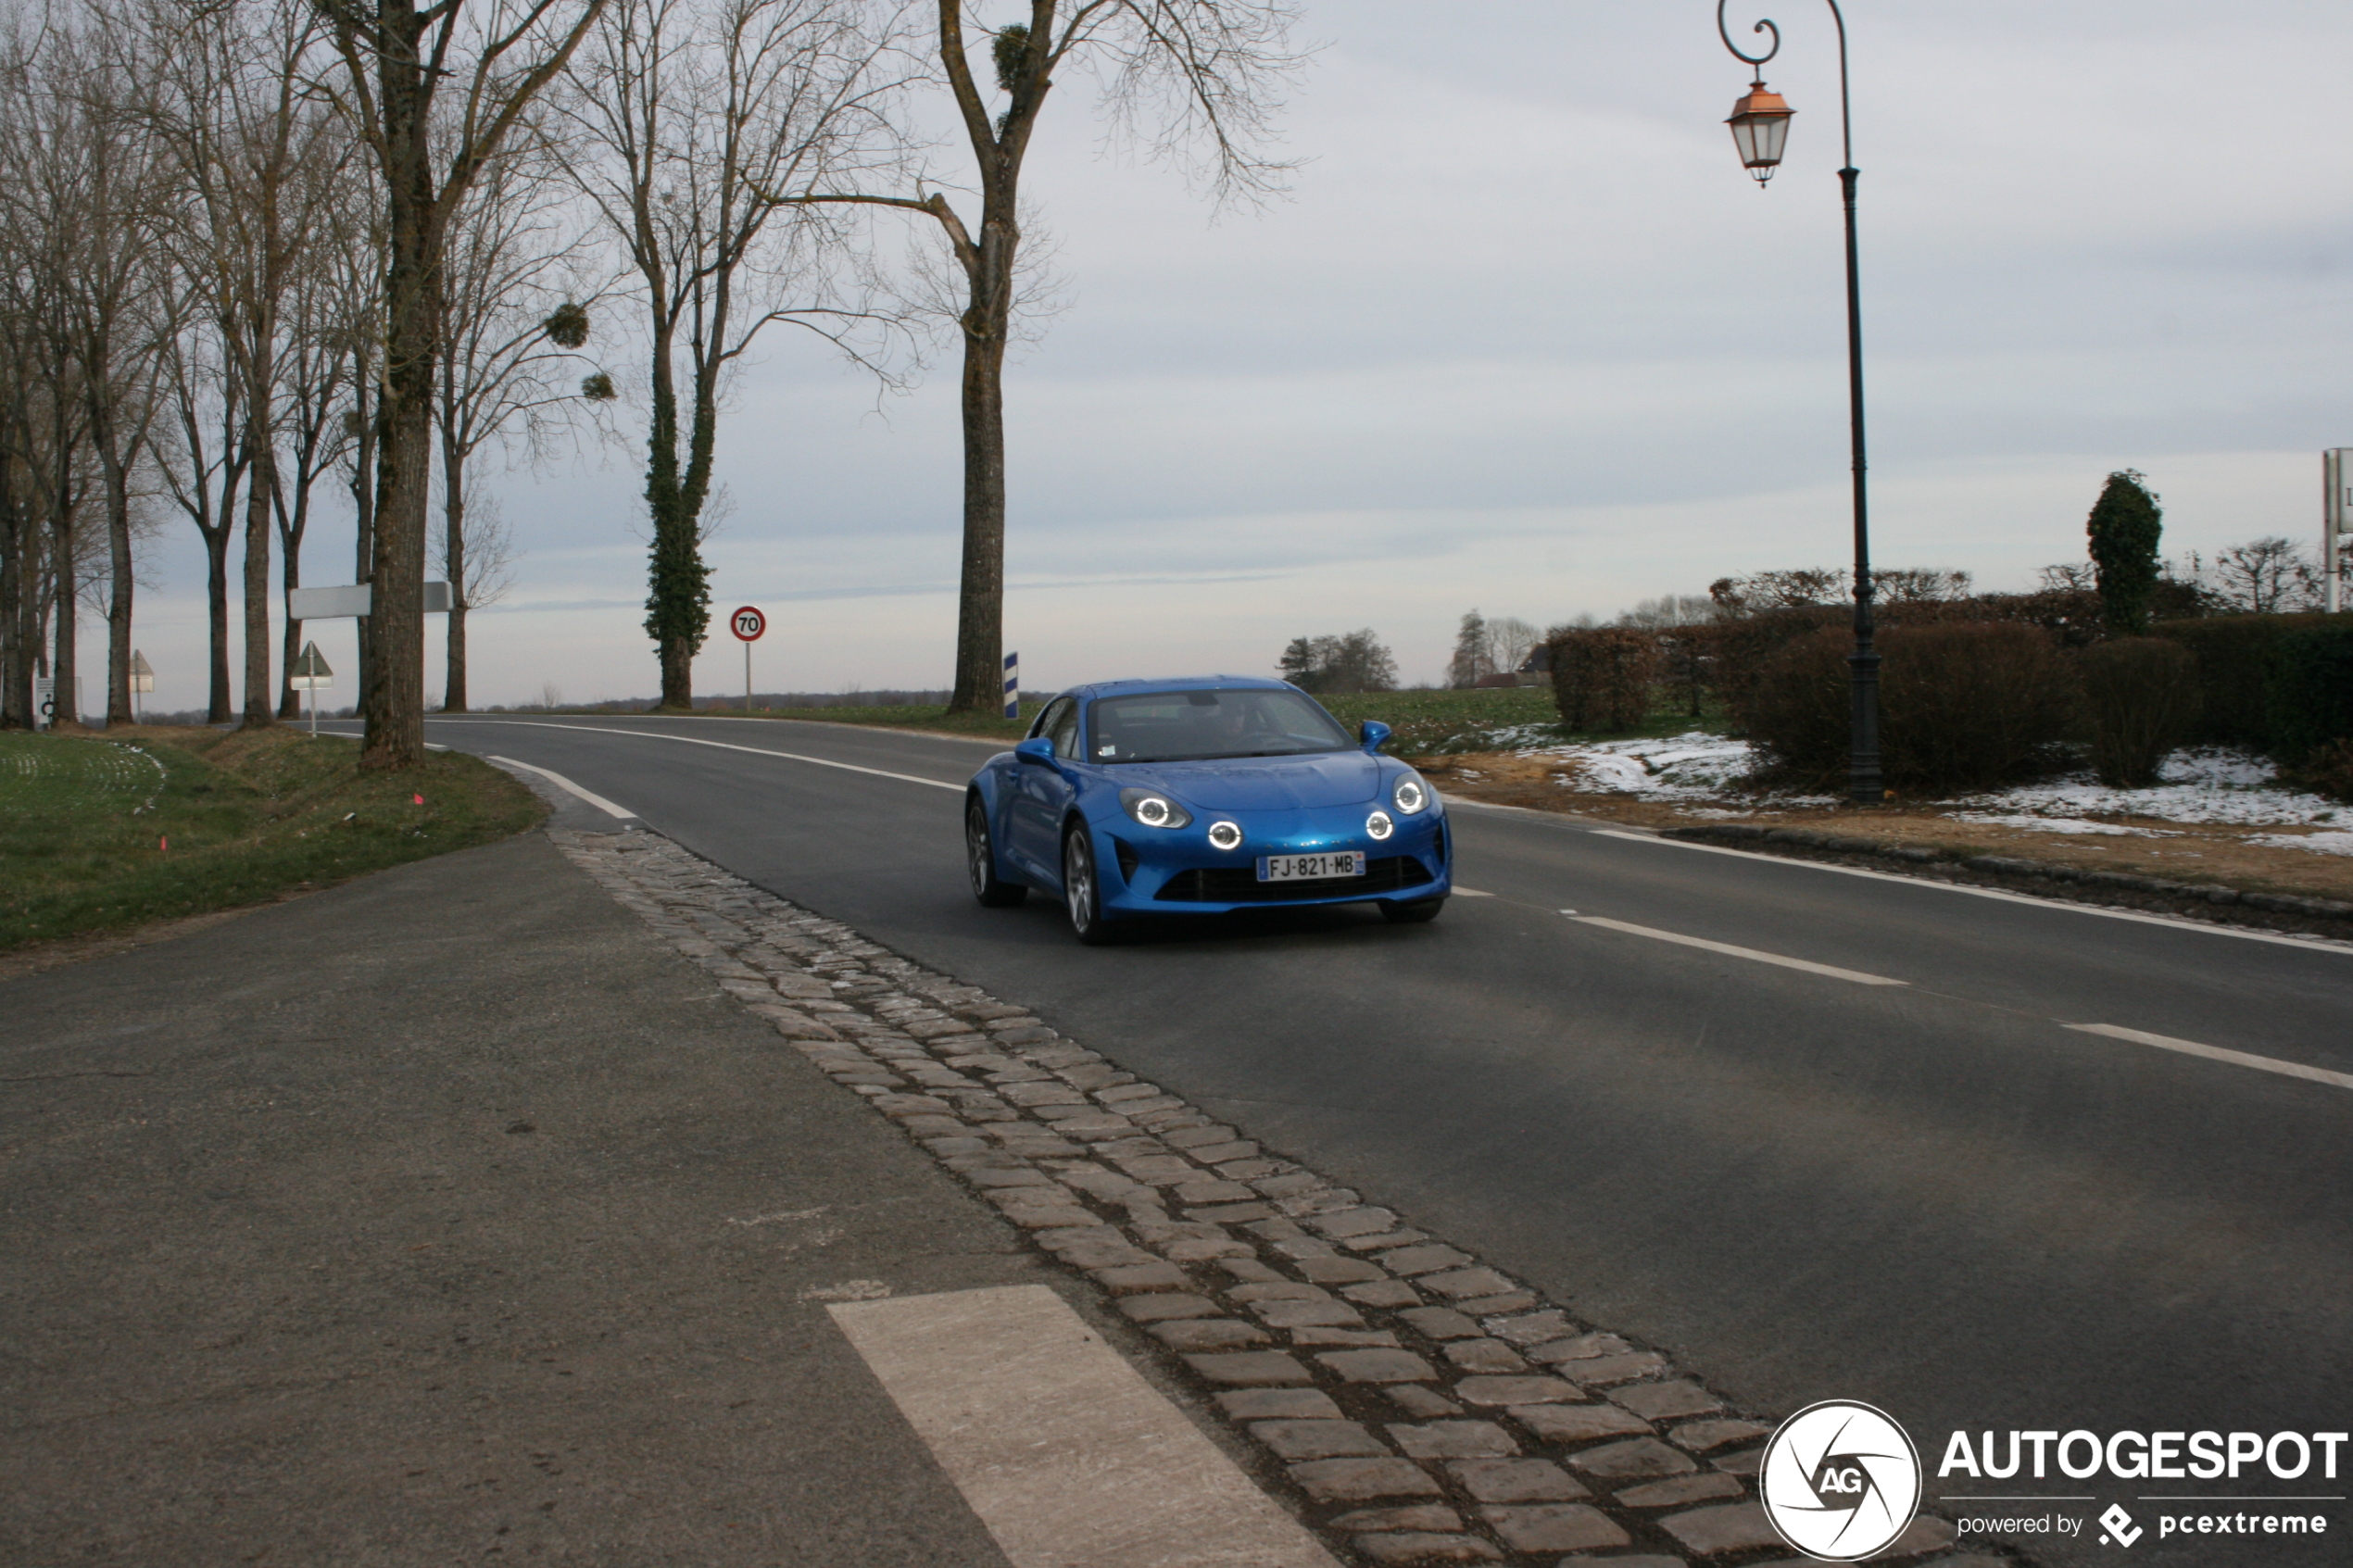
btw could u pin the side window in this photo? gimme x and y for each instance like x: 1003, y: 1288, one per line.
x: 1049, y: 718
x: 1064, y: 729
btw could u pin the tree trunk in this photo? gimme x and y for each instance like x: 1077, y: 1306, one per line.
x: 393, y: 700
x: 678, y: 597
x: 260, y: 694
x: 363, y: 506
x: 980, y: 614
x: 289, y: 530
x: 980, y: 611
x: 62, y: 663
x: 453, y: 502
x: 119, y: 710
x: 216, y: 550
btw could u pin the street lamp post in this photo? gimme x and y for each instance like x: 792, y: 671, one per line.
x: 1760, y: 126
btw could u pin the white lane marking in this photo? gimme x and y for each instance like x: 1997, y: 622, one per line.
x: 1462, y: 892
x: 2172, y: 923
x: 996, y: 741
x: 1065, y: 1452
x: 724, y: 745
x: 599, y: 801
x: 1856, y: 975
x: 2216, y: 1053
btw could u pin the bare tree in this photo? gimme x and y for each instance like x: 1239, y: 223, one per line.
x: 2263, y: 576
x: 687, y: 117
x: 491, y: 58
x: 510, y: 330
x: 202, y: 459
x: 1194, y: 82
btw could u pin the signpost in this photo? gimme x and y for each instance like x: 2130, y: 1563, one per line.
x: 1013, y: 685
x: 143, y: 679
x: 747, y: 624
x: 310, y: 675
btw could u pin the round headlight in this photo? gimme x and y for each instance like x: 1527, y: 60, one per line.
x: 1225, y: 836
x: 1411, y: 795
x: 1153, y: 811
x: 1379, y: 824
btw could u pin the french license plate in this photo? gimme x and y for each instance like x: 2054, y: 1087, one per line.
x: 1310, y: 868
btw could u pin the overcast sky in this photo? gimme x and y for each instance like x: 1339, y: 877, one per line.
x: 1526, y: 338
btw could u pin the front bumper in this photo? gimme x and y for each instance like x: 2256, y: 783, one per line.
x: 1151, y: 870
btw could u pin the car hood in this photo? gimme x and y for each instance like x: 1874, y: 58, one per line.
x: 1273, y: 783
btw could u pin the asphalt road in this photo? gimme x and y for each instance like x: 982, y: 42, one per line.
x: 1931, y: 1195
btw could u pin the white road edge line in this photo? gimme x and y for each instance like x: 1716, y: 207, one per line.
x: 2172, y: 923
x: 599, y: 801
x: 2216, y: 1053
x: 1061, y: 1448
x: 1857, y: 976
x: 755, y: 750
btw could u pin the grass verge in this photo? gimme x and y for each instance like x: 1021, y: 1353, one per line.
x: 149, y: 823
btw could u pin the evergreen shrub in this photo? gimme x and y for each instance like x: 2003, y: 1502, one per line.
x: 2233, y: 663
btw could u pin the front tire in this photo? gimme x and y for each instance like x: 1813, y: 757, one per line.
x: 980, y: 860
x: 1082, y: 889
x: 1419, y: 912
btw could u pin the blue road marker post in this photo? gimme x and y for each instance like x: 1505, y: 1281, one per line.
x: 1013, y: 685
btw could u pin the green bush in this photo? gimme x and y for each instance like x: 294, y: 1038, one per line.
x: 2307, y: 689
x: 1961, y: 707
x: 1602, y: 677
x: 2124, y: 528
x: 2140, y: 701
x: 2234, y: 662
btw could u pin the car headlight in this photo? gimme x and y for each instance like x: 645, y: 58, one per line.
x: 1154, y: 810
x: 1225, y: 836
x: 1379, y: 824
x: 1411, y: 795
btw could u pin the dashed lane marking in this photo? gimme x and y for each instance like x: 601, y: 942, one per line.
x: 1462, y: 892
x: 599, y: 801
x: 724, y: 745
x: 1857, y: 976
x: 2218, y: 1053
x: 1061, y: 1448
x: 2172, y: 923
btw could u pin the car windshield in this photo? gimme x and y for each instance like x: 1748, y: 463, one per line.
x: 1189, y: 726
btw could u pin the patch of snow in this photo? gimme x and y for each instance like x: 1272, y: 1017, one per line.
x: 2228, y: 787
x: 2058, y: 824
x: 1695, y: 766
x: 2338, y: 842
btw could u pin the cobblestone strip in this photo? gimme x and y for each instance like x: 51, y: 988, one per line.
x: 1427, y: 1409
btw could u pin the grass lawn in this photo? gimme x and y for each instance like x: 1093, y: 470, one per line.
x: 153, y: 823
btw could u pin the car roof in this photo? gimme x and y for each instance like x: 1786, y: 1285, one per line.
x: 1180, y: 683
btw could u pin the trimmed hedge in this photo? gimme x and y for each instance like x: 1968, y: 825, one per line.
x: 2140, y: 701
x: 2307, y: 689
x: 1602, y: 677
x: 1961, y: 707
x: 2233, y: 663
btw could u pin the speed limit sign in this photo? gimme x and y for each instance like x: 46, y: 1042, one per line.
x: 748, y: 623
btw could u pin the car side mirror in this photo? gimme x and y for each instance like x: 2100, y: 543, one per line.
x: 1036, y: 749
x: 1374, y: 735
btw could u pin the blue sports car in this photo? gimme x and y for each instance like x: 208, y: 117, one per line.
x: 1202, y: 796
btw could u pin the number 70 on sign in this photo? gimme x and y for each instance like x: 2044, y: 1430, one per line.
x: 748, y: 623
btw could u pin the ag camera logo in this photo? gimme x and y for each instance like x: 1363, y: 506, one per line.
x: 1840, y: 1480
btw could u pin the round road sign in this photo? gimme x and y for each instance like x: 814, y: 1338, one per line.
x: 748, y: 623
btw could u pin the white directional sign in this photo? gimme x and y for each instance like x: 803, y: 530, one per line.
x: 353, y: 598
x: 748, y: 623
